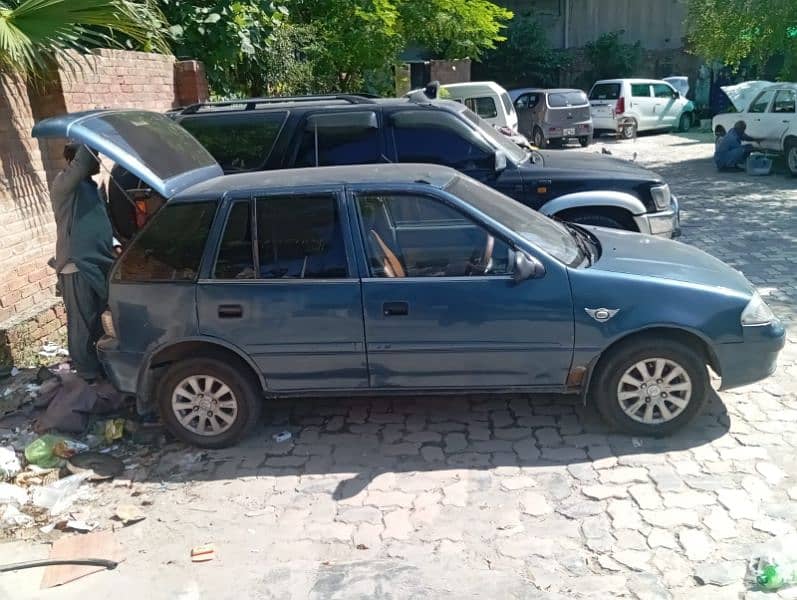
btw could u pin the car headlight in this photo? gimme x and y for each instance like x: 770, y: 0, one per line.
x: 757, y: 312
x: 661, y: 196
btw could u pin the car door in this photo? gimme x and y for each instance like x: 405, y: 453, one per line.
x: 525, y: 107
x: 643, y: 106
x: 441, y: 307
x: 760, y: 119
x: 782, y: 115
x: 281, y: 287
x: 666, y: 106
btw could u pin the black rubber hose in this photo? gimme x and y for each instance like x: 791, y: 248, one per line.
x: 30, y: 564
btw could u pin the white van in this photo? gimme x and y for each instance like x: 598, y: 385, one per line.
x: 625, y: 106
x: 487, y: 99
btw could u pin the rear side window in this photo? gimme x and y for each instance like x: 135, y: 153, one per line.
x: 761, y: 102
x: 484, y: 107
x: 605, y: 91
x: 785, y: 102
x: 563, y: 99
x: 238, y: 142
x: 300, y: 237
x: 346, y: 138
x: 663, y: 91
x: 171, y: 247
x: 640, y: 90
x: 235, y: 259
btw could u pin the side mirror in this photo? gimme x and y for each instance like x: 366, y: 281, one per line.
x: 500, y: 161
x: 526, y: 267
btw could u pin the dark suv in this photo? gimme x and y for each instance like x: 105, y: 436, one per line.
x: 282, y: 133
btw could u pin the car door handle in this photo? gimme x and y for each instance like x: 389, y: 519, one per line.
x: 395, y: 309
x: 231, y: 311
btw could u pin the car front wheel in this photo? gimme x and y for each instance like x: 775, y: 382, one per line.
x: 651, y: 387
x: 791, y: 157
x: 208, y: 403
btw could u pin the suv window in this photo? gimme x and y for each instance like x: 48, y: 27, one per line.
x: 761, y: 102
x: 605, y: 91
x: 785, y: 102
x: 344, y: 138
x: 439, y: 137
x: 235, y: 259
x: 408, y: 235
x: 661, y: 90
x: 484, y: 107
x: 170, y: 248
x: 238, y: 142
x: 300, y: 237
x: 640, y: 90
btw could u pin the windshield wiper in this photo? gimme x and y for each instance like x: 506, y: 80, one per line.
x: 583, y: 242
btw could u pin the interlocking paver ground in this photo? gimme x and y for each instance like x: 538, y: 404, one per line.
x: 488, y: 497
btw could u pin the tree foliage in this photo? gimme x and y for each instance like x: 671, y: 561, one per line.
x: 610, y: 57
x: 34, y: 34
x: 735, y: 31
x: 525, y: 58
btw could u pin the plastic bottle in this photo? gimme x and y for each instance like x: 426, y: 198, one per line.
x: 776, y: 576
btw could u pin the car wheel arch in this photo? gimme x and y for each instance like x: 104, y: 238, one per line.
x: 597, y: 200
x: 675, y: 333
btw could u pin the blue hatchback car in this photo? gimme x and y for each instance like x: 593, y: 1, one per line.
x: 399, y: 279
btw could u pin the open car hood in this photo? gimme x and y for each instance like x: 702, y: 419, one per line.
x: 151, y: 146
x: 742, y: 94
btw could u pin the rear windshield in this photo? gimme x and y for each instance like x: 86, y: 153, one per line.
x: 239, y: 142
x: 562, y: 99
x: 605, y: 91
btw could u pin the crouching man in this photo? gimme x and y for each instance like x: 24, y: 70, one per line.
x: 730, y: 153
x: 83, y: 255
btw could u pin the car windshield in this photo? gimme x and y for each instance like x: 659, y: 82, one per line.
x: 562, y: 99
x: 548, y: 235
x: 498, y: 139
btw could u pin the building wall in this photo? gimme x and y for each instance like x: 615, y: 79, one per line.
x: 106, y: 79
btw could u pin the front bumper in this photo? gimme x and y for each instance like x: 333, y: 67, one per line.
x: 753, y: 359
x: 121, y: 368
x: 665, y: 223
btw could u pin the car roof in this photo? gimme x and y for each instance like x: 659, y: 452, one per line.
x: 475, y: 87
x: 381, y: 174
x: 631, y: 80
x: 783, y: 85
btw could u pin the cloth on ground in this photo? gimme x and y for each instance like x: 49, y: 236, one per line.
x: 74, y: 400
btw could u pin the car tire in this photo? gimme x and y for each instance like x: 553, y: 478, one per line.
x: 619, y: 387
x: 597, y: 220
x: 791, y: 157
x: 538, y: 139
x: 628, y: 130
x: 241, y: 405
x: 585, y: 140
x: 685, y: 122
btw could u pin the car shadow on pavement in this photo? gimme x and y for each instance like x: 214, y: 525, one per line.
x: 356, y: 440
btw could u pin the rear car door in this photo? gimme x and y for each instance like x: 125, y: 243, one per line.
x: 441, y: 308
x: 783, y: 115
x: 643, y: 106
x: 667, y: 107
x: 282, y: 288
x: 524, y: 106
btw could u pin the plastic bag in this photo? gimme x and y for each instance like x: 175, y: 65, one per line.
x: 9, y: 463
x: 41, y: 451
x: 59, y: 496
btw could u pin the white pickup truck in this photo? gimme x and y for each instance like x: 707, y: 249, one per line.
x: 770, y: 111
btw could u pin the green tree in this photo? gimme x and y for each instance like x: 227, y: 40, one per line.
x: 35, y: 34
x: 609, y: 57
x: 524, y: 59
x: 735, y: 31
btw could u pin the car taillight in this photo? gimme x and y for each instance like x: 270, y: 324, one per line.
x: 107, y: 324
x: 620, y: 108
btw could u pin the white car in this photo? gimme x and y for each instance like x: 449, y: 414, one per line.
x: 625, y: 106
x: 487, y: 99
x: 771, y: 116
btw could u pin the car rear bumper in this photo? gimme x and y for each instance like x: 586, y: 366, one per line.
x: 121, y: 368
x: 665, y: 223
x: 753, y: 359
x: 604, y: 123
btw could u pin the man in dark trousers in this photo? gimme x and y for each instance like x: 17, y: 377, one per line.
x: 730, y: 153
x: 83, y: 255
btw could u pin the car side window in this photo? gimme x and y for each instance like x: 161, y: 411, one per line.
x: 439, y: 137
x: 640, y: 90
x: 300, y: 237
x: 238, y: 142
x: 410, y: 235
x: 170, y: 248
x: 761, y: 103
x: 785, y: 102
x: 344, y: 138
x: 526, y: 101
x: 661, y: 90
x: 484, y: 107
x: 235, y: 259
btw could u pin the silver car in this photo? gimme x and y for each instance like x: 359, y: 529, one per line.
x: 553, y: 116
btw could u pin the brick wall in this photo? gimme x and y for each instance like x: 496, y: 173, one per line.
x: 105, y: 79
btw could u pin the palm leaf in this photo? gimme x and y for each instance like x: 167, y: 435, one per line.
x: 35, y: 33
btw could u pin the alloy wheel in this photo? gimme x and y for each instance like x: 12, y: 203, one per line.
x: 654, y: 391
x: 204, y: 405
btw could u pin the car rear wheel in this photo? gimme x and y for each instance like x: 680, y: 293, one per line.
x: 685, y: 122
x: 208, y: 403
x: 584, y: 140
x: 628, y: 130
x: 651, y: 386
x: 538, y: 139
x: 791, y: 157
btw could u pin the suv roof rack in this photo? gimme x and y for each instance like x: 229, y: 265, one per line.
x: 255, y: 103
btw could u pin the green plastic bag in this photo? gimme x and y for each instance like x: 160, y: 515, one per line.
x: 40, y: 451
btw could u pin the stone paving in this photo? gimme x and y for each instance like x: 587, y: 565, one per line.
x: 487, y: 497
